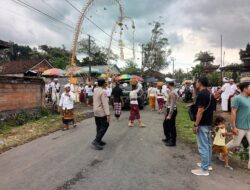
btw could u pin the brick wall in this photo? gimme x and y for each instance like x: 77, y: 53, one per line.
x: 18, y: 94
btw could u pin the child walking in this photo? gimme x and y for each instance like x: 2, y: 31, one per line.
x: 219, y: 144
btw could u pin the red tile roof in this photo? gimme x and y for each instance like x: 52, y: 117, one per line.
x: 20, y: 67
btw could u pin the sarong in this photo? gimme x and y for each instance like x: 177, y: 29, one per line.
x: 55, y: 98
x: 134, y: 112
x: 68, y: 116
x: 90, y: 100
x: 82, y: 97
x: 117, y: 108
x: 160, y: 103
x: 152, y: 102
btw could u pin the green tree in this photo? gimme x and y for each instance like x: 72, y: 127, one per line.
x: 83, y: 46
x: 197, y: 70
x: 214, y: 78
x: 245, y: 54
x: 98, y: 58
x: 131, y: 68
x: 180, y: 75
x: 156, y: 50
x: 205, y: 58
x: 58, y: 57
x: 99, y: 55
x: 16, y: 52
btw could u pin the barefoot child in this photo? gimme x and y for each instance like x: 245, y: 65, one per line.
x: 219, y: 144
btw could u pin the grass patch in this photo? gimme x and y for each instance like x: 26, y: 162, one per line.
x: 24, y: 117
x: 12, y: 136
x: 185, y: 133
x: 184, y: 124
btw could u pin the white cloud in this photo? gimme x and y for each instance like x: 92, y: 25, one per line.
x: 191, y: 26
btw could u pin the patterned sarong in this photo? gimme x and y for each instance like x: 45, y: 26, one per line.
x: 68, y: 116
x: 160, y: 102
x: 117, y: 108
x: 134, y: 112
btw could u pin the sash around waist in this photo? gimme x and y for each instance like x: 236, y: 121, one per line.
x: 170, y: 107
x: 133, y: 99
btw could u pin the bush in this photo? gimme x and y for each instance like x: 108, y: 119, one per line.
x: 22, y: 118
x: 45, y: 112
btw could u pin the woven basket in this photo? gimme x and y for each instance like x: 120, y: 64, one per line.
x: 245, y: 79
x: 133, y: 81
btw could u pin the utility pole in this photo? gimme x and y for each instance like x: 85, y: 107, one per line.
x: 221, y: 51
x: 89, y: 52
x: 173, y: 59
x: 142, y: 58
x: 224, y: 54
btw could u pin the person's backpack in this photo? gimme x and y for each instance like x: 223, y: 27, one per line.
x: 192, y: 111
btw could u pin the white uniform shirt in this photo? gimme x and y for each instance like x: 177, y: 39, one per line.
x: 164, y: 88
x: 67, y: 102
x: 89, y: 90
x: 152, y: 91
x: 109, y: 91
x: 133, y: 94
x: 55, y: 87
x: 160, y: 94
x: 80, y: 89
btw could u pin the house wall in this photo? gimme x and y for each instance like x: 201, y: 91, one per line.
x: 19, y: 93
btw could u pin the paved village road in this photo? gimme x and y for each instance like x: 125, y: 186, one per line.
x: 134, y: 159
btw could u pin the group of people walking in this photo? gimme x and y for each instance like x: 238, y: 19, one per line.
x: 83, y: 93
x: 166, y: 96
x: 102, y: 113
x: 157, y: 96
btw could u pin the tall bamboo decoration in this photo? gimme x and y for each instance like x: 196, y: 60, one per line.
x: 79, y: 25
x: 119, y: 23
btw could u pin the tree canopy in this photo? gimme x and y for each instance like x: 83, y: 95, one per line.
x: 156, y: 50
x: 245, y: 54
x: 99, y: 55
x: 131, y: 68
x: 205, y: 58
x: 57, y: 56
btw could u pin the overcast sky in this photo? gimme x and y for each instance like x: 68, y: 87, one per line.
x: 190, y: 25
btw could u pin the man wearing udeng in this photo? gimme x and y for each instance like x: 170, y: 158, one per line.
x: 67, y: 107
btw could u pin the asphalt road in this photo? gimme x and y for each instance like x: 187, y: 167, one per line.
x: 134, y: 159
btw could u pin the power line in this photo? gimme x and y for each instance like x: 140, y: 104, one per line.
x: 56, y: 11
x: 73, y: 6
x: 26, y: 5
x: 89, y: 19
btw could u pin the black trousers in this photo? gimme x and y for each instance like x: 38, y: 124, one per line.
x: 102, y: 126
x: 169, y: 127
